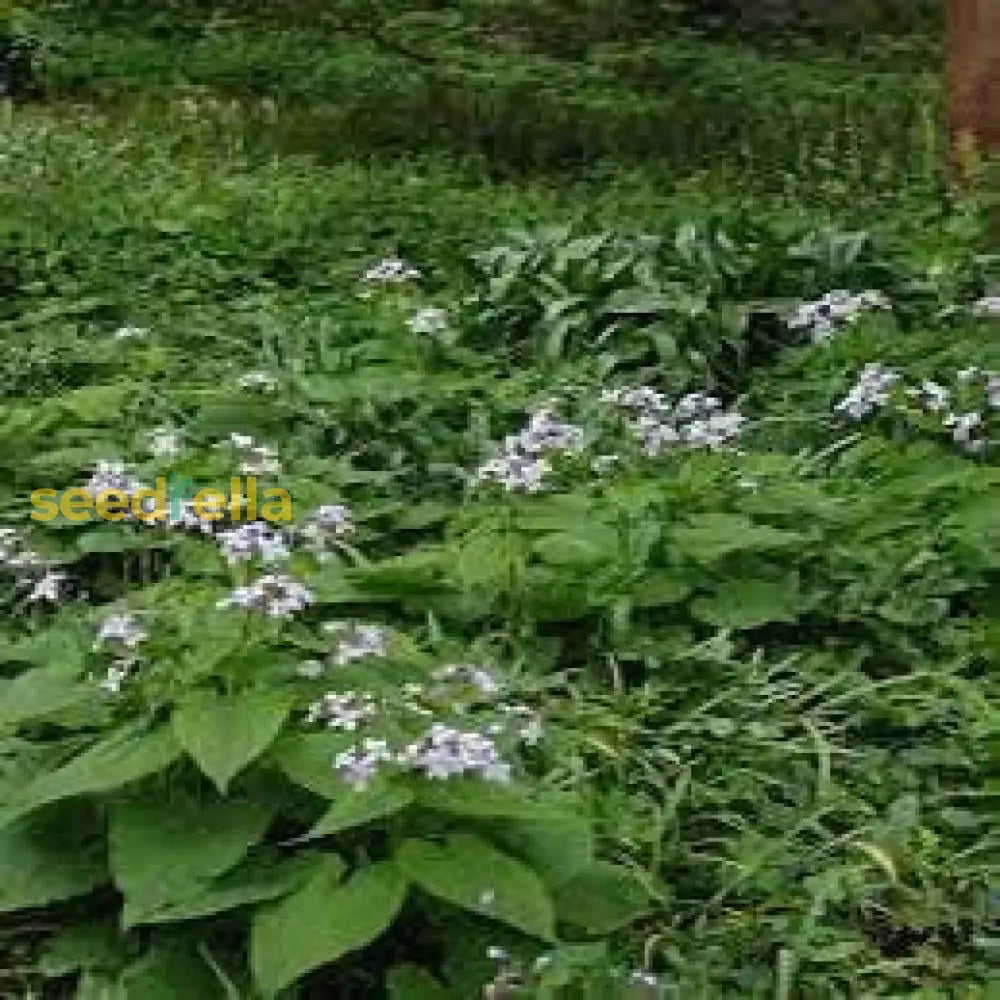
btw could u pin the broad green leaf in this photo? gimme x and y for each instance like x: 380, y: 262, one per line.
x: 307, y: 759
x: 225, y: 734
x: 355, y: 808
x: 566, y: 548
x: 472, y: 797
x: 82, y: 946
x: 321, y: 922
x: 601, y: 898
x: 40, y: 692
x: 170, y: 973
x: 165, y: 853
x: 474, y: 875
x: 411, y: 982
x: 747, y: 604
x: 259, y: 880
x: 49, y: 858
x: 126, y: 757
x: 555, y: 848
x: 708, y: 537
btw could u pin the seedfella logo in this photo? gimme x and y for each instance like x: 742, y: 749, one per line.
x: 170, y: 501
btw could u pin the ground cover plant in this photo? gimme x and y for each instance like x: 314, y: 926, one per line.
x: 632, y: 629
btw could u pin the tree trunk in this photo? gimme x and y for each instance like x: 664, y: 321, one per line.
x: 973, y: 80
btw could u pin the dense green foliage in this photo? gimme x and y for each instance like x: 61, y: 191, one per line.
x: 746, y: 685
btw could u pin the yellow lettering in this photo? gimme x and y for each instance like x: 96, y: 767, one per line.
x: 283, y: 502
x: 44, y: 501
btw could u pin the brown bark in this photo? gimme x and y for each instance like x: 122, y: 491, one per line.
x: 973, y: 79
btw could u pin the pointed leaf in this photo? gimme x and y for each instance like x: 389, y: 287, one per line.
x: 357, y: 808
x: 602, y: 898
x: 126, y: 757
x: 164, y: 853
x: 321, y: 922
x: 225, y: 734
x: 474, y: 875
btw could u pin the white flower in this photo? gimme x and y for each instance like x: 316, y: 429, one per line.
x: 327, y: 524
x: 125, y: 629
x: 428, y: 320
x: 274, y: 595
x: 164, y: 443
x: 263, y: 381
x: 256, y: 538
x: 345, y: 711
x: 357, y: 642
x: 130, y: 333
x: 871, y: 391
x: 357, y: 767
x: 836, y: 309
x: 445, y: 752
x: 989, y: 305
x: 112, y: 476
x: 515, y: 473
x: 962, y: 427
x: 390, y: 271
x: 931, y: 396
x: 993, y: 391
x: 49, y: 588
x: 116, y: 675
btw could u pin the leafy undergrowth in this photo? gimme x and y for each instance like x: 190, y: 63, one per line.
x: 632, y: 631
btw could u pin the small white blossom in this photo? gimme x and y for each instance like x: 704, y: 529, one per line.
x: 125, y: 630
x: 328, y: 524
x: 274, y: 595
x: 356, y: 642
x: 836, y: 309
x: 130, y: 333
x: 989, y: 305
x: 262, y: 381
x: 49, y: 588
x: 963, y: 426
x: 993, y: 391
x: 357, y: 767
x: 164, y: 443
x: 445, y: 752
x: 931, y: 396
x: 428, y: 320
x: 390, y: 271
x: 116, y: 675
x: 345, y: 711
x: 871, y: 391
x: 254, y: 539
x: 476, y: 677
x: 515, y: 473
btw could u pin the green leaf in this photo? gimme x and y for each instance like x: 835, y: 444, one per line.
x: 257, y: 881
x: 474, y: 875
x: 82, y: 946
x: 709, y: 537
x: 126, y: 757
x: 411, y: 982
x: 472, y: 797
x: 601, y: 898
x: 40, y: 692
x: 566, y: 548
x: 307, y: 759
x: 225, y: 734
x: 747, y: 604
x: 353, y: 808
x: 556, y: 848
x: 164, y: 853
x: 49, y: 858
x: 170, y: 973
x: 638, y: 302
x: 321, y: 922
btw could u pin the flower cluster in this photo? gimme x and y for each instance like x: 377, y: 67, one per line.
x: 430, y: 319
x: 254, y: 539
x: 346, y: 710
x: 327, y: 525
x: 444, y: 752
x: 876, y: 385
x: 357, y: 767
x: 696, y: 420
x: 521, y: 466
x: 989, y: 305
x: 476, y: 677
x: 164, y: 442
x: 871, y: 391
x: 390, y: 271
x: 274, y: 595
x: 259, y: 381
x: 826, y: 316
x: 256, y: 459
x: 123, y: 633
x: 356, y: 642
